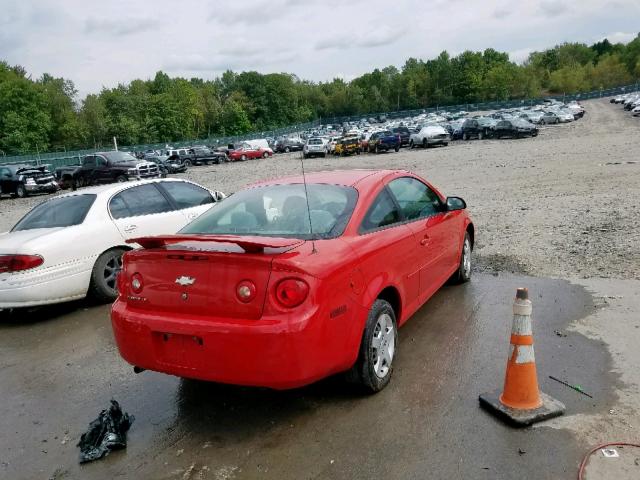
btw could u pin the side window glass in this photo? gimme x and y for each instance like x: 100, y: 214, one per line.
x: 142, y: 200
x: 383, y: 212
x: 89, y: 161
x: 118, y: 207
x: 187, y: 195
x: 416, y: 200
x: 100, y: 161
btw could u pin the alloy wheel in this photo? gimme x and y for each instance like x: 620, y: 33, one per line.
x: 111, y: 271
x: 466, y: 258
x: 383, y: 343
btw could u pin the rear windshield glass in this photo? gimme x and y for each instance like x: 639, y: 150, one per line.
x: 315, y: 141
x: 281, y: 211
x: 58, y: 212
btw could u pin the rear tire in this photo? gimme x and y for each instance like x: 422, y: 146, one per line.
x: 265, y: 155
x: 188, y: 163
x: 103, y: 287
x: 243, y: 158
x: 397, y: 149
x: 374, y: 366
x: 464, y: 136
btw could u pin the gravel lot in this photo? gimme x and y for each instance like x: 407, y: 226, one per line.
x: 564, y: 204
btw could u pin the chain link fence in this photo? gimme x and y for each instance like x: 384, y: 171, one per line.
x: 57, y: 159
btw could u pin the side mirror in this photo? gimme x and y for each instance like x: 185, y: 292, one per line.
x: 455, y: 203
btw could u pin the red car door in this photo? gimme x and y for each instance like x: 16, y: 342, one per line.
x: 388, y: 252
x: 422, y: 209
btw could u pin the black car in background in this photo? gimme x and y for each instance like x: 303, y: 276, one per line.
x: 286, y: 145
x: 516, y: 128
x: 404, y: 133
x: 23, y: 180
x: 472, y: 129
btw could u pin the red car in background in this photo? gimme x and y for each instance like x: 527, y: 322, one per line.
x: 270, y: 290
x: 247, y: 152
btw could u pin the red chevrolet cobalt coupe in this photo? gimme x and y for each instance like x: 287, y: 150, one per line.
x: 268, y: 290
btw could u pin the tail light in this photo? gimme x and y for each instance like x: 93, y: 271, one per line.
x: 19, y: 263
x: 291, y: 292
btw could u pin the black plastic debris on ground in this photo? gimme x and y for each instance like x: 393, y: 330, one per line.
x: 107, y: 432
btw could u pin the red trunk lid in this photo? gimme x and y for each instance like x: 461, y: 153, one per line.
x: 199, y: 275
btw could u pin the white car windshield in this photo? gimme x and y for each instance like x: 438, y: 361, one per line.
x: 57, y: 212
x: 280, y: 211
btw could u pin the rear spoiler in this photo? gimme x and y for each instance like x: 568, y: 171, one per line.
x: 250, y: 244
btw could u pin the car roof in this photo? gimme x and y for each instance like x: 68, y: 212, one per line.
x: 113, y: 188
x: 334, y: 177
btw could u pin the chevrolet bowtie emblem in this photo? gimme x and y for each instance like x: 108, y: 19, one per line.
x: 185, y: 281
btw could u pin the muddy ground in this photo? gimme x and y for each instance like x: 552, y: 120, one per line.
x: 562, y: 208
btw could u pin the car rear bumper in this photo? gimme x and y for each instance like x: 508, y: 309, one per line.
x: 44, y: 287
x: 266, y: 353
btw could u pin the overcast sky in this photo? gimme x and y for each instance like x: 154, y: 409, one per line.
x: 101, y: 43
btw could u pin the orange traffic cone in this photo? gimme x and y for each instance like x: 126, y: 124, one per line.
x: 521, y: 401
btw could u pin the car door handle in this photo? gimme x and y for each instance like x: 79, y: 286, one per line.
x: 425, y: 240
x: 130, y: 228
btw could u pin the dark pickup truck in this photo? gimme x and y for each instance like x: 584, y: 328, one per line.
x: 23, y: 180
x: 106, y: 167
x: 384, y: 141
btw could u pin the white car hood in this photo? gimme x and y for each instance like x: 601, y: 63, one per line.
x: 26, y: 241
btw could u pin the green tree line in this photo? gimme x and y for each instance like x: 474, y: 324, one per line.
x: 46, y: 114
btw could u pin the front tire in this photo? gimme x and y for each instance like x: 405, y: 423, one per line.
x: 374, y: 366
x: 265, y: 155
x: 104, y: 277
x: 188, y: 163
x: 463, y: 274
x: 121, y: 179
x: 21, y: 191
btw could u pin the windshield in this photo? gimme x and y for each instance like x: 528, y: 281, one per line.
x: 280, y: 211
x: 120, y: 157
x: 58, y: 212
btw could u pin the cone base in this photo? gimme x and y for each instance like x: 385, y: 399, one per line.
x: 521, y: 418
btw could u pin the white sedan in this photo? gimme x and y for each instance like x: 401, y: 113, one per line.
x: 428, y: 136
x: 71, y: 246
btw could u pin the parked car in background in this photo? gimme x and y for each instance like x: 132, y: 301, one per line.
x: 549, y: 118
x: 384, y: 141
x: 404, y: 133
x: 429, y: 136
x: 488, y: 125
x: 348, y: 145
x: 204, y: 156
x: 286, y: 145
x: 169, y: 165
x: 106, y: 167
x: 514, y: 128
x: 23, y: 180
x: 314, y: 147
x: 309, y: 280
x: 71, y: 246
x: 470, y: 128
x: 248, y: 152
